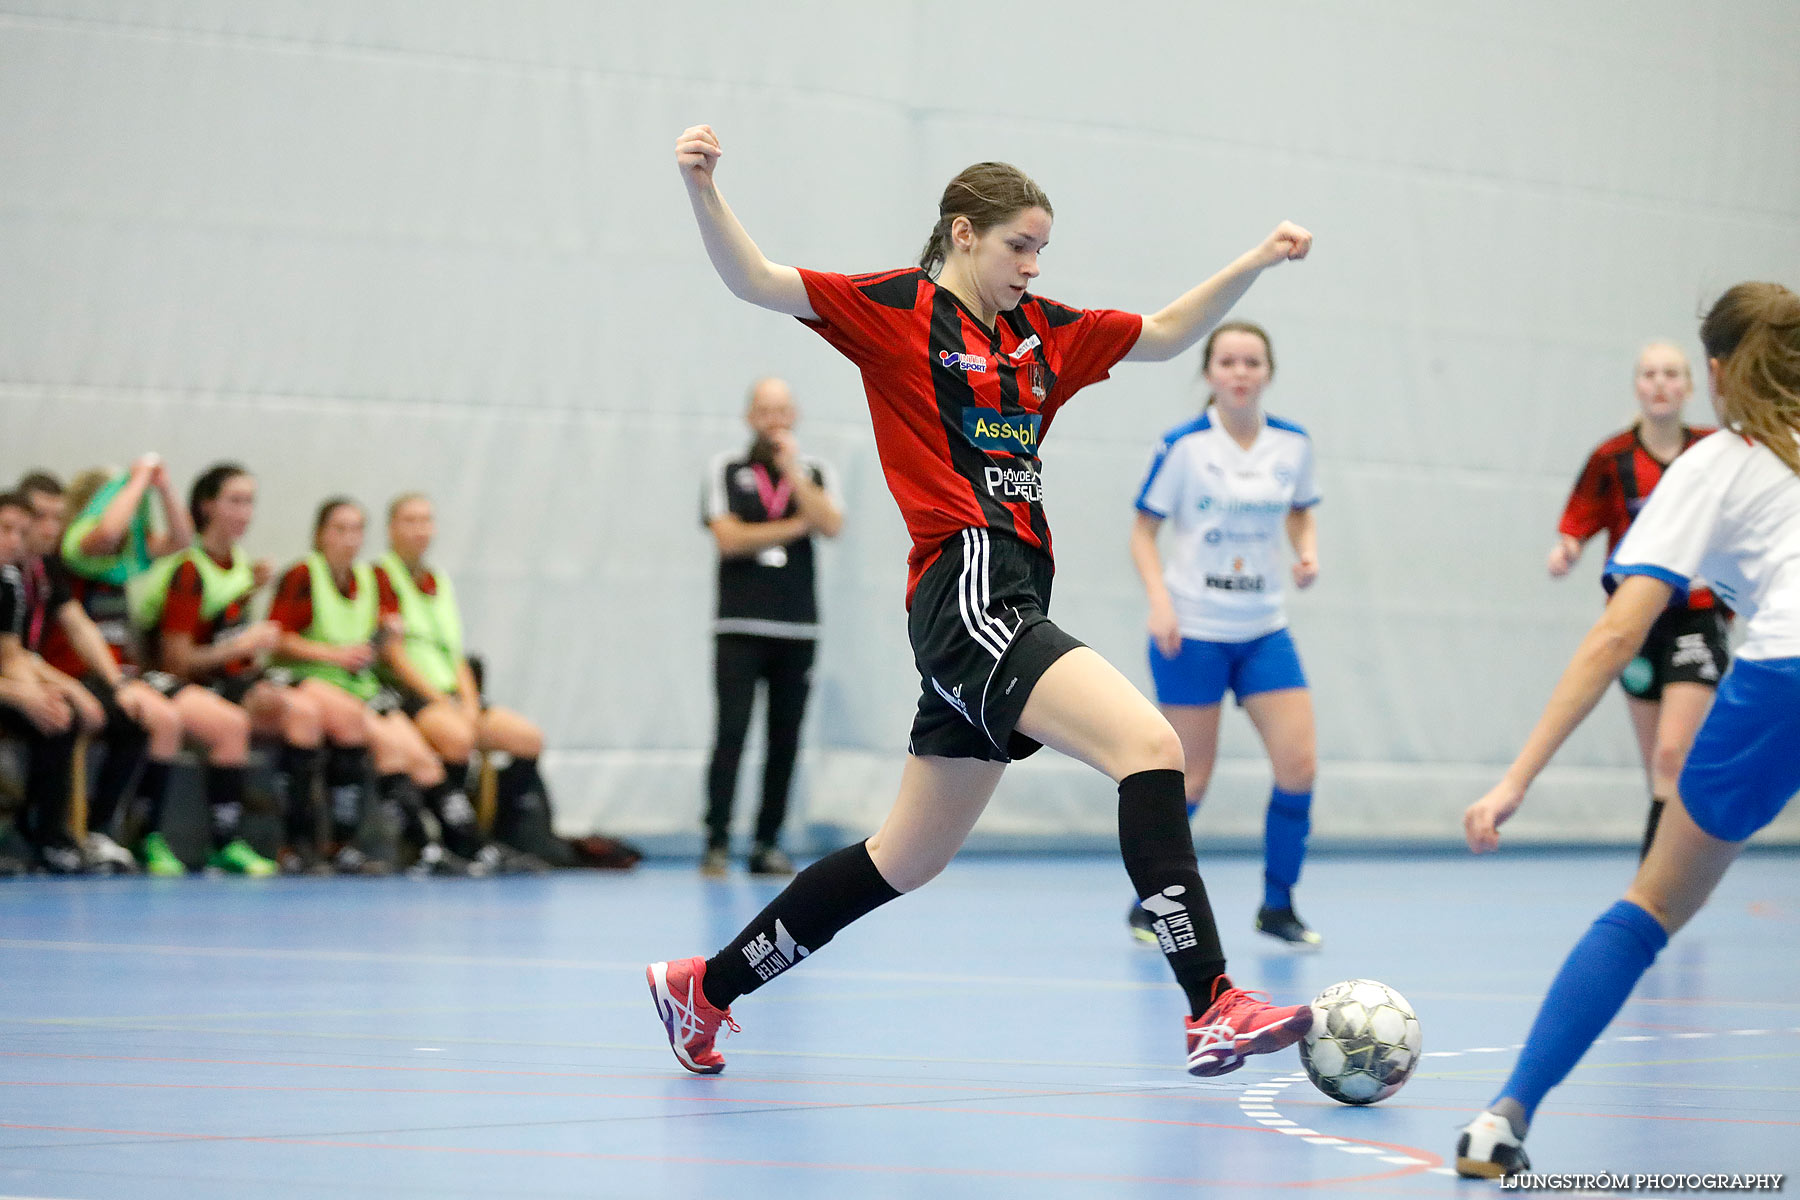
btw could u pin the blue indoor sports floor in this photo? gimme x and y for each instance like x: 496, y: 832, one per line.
x: 995, y: 1034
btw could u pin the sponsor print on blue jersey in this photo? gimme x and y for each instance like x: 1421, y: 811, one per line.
x: 1016, y: 433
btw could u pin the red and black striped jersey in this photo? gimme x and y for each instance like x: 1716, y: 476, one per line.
x: 960, y: 410
x: 1615, y: 485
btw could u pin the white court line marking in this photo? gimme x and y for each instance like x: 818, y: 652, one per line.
x: 1254, y: 1102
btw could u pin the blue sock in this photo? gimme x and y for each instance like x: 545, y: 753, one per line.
x: 1284, y: 845
x: 1587, y: 993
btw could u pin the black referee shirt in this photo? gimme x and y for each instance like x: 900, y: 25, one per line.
x: 771, y: 593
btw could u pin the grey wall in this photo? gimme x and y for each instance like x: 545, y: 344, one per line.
x: 369, y: 246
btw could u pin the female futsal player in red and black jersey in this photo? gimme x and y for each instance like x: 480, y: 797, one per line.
x: 965, y: 370
x: 1669, y: 686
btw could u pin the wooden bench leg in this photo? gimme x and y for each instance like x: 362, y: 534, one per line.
x: 78, y: 790
x: 486, y: 793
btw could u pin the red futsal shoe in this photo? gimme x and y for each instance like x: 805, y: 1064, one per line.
x: 690, y: 1019
x: 1240, y: 1024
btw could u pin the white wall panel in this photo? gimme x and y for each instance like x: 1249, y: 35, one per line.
x: 373, y: 246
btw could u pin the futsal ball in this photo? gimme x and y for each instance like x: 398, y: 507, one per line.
x: 1363, y: 1044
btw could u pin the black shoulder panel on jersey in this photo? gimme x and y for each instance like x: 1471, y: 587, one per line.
x: 1057, y: 314
x: 891, y: 289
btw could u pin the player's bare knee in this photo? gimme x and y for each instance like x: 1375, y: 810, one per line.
x: 1155, y: 748
x: 1670, y: 912
x: 1667, y: 759
x: 1295, y: 771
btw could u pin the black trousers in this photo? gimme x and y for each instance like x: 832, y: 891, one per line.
x: 51, y: 758
x: 740, y: 661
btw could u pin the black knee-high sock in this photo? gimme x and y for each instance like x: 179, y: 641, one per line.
x: 838, y: 889
x: 127, y: 745
x: 1159, y: 855
x: 153, y: 792
x: 449, y: 803
x: 1650, y: 823
x: 225, y: 799
x: 297, y: 771
x: 521, y: 804
x: 347, y: 772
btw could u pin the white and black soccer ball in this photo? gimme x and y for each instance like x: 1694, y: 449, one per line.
x: 1364, y: 1042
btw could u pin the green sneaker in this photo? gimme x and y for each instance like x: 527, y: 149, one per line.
x: 158, y: 859
x: 237, y: 858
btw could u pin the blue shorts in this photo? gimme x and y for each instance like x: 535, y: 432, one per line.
x: 1201, y: 671
x: 1743, y: 768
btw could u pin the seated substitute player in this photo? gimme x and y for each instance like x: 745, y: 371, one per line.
x: 1230, y: 483
x: 333, y: 612
x: 46, y: 721
x: 438, y: 689
x: 195, y: 605
x: 1727, y: 511
x: 109, y: 541
x: 965, y: 370
x: 1670, y: 684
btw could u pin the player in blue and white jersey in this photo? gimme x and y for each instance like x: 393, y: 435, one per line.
x: 1236, y: 488
x: 1728, y: 512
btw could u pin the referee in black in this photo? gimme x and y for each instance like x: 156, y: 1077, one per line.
x: 763, y: 505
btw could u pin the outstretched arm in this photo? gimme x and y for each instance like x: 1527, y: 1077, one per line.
x: 1603, y: 653
x: 734, y: 256
x: 1192, y: 316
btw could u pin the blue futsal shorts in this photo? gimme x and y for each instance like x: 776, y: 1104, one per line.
x: 1744, y: 768
x: 1201, y: 671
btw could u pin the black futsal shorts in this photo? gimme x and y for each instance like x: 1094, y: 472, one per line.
x: 981, y: 641
x: 1686, y: 645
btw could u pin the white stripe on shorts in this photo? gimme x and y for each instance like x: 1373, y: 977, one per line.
x: 969, y: 587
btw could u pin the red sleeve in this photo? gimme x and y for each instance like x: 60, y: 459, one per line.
x: 1589, y: 509
x: 864, y: 316
x: 292, y: 606
x: 181, y: 611
x: 387, y: 603
x: 1086, y: 344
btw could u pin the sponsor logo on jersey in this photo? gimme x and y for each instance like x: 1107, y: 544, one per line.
x: 1242, y: 507
x: 1015, y: 483
x: 1014, y: 434
x: 1236, y: 583
x: 1023, y: 348
x: 965, y: 362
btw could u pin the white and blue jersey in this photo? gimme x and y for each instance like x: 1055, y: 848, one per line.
x: 1728, y: 512
x: 1227, y: 508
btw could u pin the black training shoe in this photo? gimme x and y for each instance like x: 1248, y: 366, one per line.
x: 1284, y: 924
x: 769, y: 860
x: 501, y: 859
x: 1142, y: 923
x: 435, y: 860
x: 63, y: 858
x: 1487, y: 1148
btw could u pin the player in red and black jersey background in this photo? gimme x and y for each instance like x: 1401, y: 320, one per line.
x: 1669, y: 686
x: 965, y: 370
